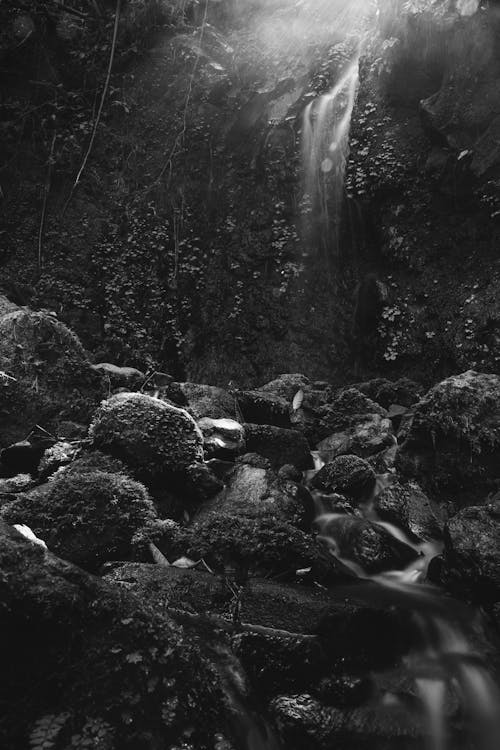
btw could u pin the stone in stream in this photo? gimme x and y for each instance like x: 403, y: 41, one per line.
x: 387, y: 392
x: 365, y: 543
x: 452, y: 442
x: 348, y: 475
x: 470, y: 564
x: 153, y: 438
x: 82, y: 654
x: 203, y: 400
x: 406, y: 505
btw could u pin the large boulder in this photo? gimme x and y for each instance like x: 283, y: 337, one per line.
x: 256, y: 492
x: 85, y: 518
x: 244, y: 547
x: 45, y: 375
x: 261, y: 407
x: 452, y: 442
x: 470, y: 565
x: 153, y: 438
x: 82, y: 656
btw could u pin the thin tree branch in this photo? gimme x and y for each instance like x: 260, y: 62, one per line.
x: 101, y: 106
x: 46, y: 192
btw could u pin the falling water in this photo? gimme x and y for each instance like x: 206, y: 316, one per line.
x: 444, y: 662
x: 325, y: 146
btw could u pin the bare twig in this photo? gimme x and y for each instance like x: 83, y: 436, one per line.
x: 46, y: 192
x: 101, y: 106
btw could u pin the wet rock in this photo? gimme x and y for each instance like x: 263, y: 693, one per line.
x: 222, y: 438
x: 258, y: 492
x: 85, y: 518
x: 452, y: 442
x: 365, y: 543
x: 470, y: 565
x: 348, y: 475
x: 259, y: 407
x: 18, y: 483
x: 365, y: 438
x: 99, y: 653
x: 407, y: 506
x: 153, y: 438
x: 281, y: 446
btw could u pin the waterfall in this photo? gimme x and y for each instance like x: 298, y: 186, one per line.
x: 325, y: 147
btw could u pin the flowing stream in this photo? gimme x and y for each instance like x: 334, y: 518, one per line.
x: 444, y: 662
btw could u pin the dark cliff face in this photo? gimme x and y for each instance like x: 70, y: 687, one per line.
x: 187, y: 243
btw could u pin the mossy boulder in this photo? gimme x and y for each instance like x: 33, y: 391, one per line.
x: 86, y: 518
x: 279, y: 445
x: 91, y: 665
x: 452, y: 443
x: 252, y: 546
x: 55, y: 378
x: 153, y: 438
x: 348, y: 475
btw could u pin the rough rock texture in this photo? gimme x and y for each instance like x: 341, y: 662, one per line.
x: 253, y: 546
x: 348, y: 475
x: 99, y: 654
x: 452, y: 443
x: 204, y: 400
x: 256, y: 492
x: 50, y: 363
x: 471, y: 557
x: 151, y: 437
x: 279, y: 445
x: 365, y: 543
x: 406, y: 505
x: 85, y: 518
x: 222, y: 438
x: 260, y: 407
x: 366, y: 438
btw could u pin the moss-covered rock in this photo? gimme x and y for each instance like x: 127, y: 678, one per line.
x: 279, y: 445
x: 252, y: 546
x: 452, y: 443
x: 153, y: 438
x: 91, y: 665
x: 54, y: 374
x: 86, y: 518
x: 348, y: 475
